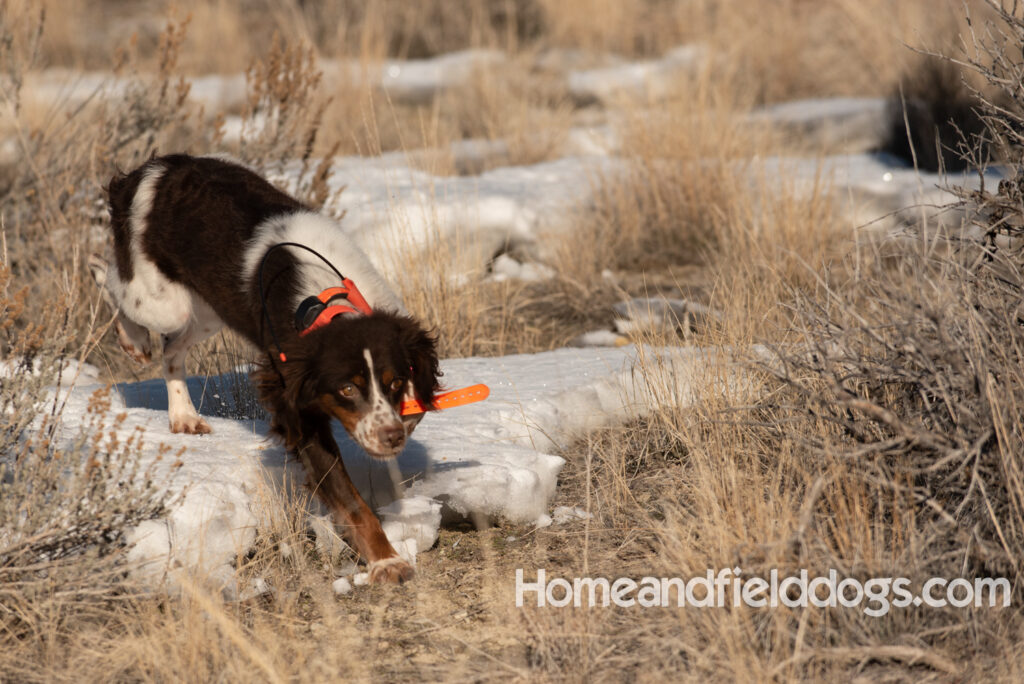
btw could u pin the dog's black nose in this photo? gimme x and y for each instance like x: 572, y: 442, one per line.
x: 391, y: 437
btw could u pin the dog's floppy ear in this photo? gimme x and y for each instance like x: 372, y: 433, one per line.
x: 288, y: 385
x: 286, y: 388
x: 421, y: 347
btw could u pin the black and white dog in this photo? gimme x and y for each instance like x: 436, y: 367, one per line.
x: 194, y: 247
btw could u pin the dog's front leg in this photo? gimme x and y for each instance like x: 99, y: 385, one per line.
x: 329, y: 479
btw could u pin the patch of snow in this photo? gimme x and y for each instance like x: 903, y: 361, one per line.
x: 218, y: 93
x: 347, y: 570
x: 10, y: 152
x: 471, y: 156
x: 237, y: 129
x: 414, y: 517
x: 557, y: 60
x: 654, y: 312
x: 70, y: 87
x: 492, y: 458
x: 328, y: 542
x: 414, y: 81
x: 419, y: 80
x: 258, y: 587
x: 58, y: 86
x: 394, y: 212
x: 407, y: 549
x: 505, y: 267
x: 592, y: 140
x: 856, y: 124
x: 599, y: 338
x: 873, y: 185
x: 564, y: 514
x: 643, y: 80
x: 341, y: 586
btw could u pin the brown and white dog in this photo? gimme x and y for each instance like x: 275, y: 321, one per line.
x: 193, y: 238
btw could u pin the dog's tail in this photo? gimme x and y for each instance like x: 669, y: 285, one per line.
x: 120, y: 193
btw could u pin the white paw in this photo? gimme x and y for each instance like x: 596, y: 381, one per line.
x: 392, y: 570
x: 190, y: 425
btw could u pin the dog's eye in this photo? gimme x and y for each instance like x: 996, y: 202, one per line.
x: 348, y: 390
x: 396, y: 384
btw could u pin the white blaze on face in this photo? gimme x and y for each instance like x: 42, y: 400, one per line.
x: 380, y: 415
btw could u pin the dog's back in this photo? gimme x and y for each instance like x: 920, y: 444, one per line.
x: 191, y: 218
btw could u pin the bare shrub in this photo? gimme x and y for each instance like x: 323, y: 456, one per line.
x: 993, y: 52
x: 52, y: 197
x: 920, y: 378
x: 916, y: 371
x: 283, y: 117
x: 66, y: 502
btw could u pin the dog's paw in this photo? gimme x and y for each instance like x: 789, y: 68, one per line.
x: 190, y: 425
x: 392, y: 570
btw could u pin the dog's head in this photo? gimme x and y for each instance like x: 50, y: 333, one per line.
x: 360, y: 370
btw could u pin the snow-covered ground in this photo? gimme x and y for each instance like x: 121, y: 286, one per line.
x: 398, y: 210
x: 493, y: 458
x: 406, y: 81
x: 392, y: 207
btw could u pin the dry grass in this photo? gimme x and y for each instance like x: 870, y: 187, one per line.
x: 807, y: 474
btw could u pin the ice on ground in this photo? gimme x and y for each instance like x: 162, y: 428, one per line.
x: 494, y: 458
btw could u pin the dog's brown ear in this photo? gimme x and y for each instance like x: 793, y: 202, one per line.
x: 421, y: 346
x: 301, y: 377
x: 284, y: 389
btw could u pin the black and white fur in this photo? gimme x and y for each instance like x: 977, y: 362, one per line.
x: 190, y: 237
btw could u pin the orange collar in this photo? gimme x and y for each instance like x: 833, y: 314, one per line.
x: 316, y: 312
